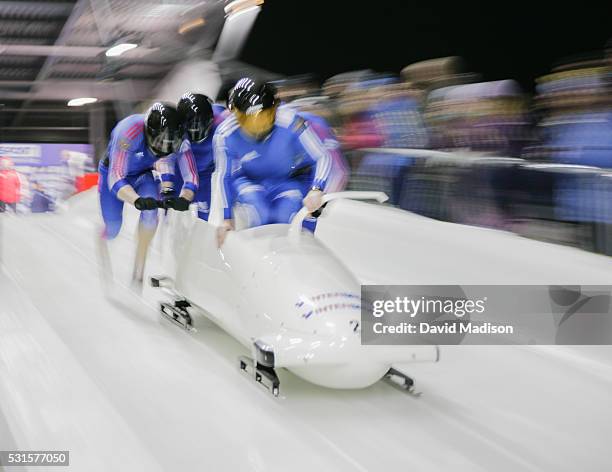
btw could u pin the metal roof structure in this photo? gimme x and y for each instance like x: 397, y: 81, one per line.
x: 52, y: 51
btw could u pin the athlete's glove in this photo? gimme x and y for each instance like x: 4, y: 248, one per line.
x: 146, y: 203
x: 177, y: 203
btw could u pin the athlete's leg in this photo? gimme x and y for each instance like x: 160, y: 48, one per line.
x: 202, y: 196
x: 252, y: 206
x: 145, y: 186
x: 110, y: 206
x: 285, y: 205
x: 112, y: 214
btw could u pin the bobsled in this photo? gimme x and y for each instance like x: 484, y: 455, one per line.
x: 283, y: 294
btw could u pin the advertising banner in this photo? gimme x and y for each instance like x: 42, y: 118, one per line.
x: 48, y: 172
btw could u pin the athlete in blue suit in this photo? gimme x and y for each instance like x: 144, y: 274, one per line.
x: 263, y: 153
x: 200, y: 119
x: 125, y: 174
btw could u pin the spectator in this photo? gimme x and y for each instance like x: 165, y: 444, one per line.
x: 9, y: 185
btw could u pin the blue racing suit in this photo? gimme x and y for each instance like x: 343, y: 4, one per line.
x: 266, y: 177
x: 202, y: 155
x: 128, y: 161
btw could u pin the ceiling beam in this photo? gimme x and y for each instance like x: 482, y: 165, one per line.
x: 235, y: 32
x: 128, y: 90
x: 103, y: 13
x: 77, y: 11
x: 49, y: 50
x: 35, y: 10
x: 46, y: 128
x: 66, y: 109
x: 68, y: 51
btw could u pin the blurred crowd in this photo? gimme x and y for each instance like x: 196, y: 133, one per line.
x: 443, y: 143
x: 28, y: 188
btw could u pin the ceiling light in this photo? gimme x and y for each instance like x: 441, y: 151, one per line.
x: 233, y: 16
x: 189, y: 25
x: 120, y: 49
x: 237, y: 6
x: 77, y: 102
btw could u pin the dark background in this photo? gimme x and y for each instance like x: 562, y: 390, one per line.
x: 499, y: 40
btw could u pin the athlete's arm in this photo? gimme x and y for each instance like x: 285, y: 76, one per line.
x: 119, y: 154
x: 223, y: 171
x: 165, y: 168
x: 189, y: 172
x: 318, y: 154
x: 127, y: 194
x: 223, y: 176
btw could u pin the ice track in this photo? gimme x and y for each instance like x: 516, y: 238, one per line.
x: 106, y: 378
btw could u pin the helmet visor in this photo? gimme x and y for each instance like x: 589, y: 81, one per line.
x: 257, y: 125
x: 167, y: 142
x: 197, y: 129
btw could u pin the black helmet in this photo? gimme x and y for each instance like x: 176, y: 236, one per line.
x: 250, y: 96
x: 196, y: 115
x: 163, y: 129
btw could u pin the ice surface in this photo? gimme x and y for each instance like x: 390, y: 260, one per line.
x: 106, y: 378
